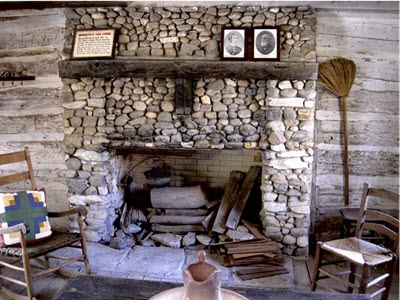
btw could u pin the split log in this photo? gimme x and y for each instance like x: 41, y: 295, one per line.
x: 254, y: 229
x: 213, y: 203
x: 186, y: 212
x: 184, y: 220
x: 237, y: 209
x: 209, y: 220
x: 262, y: 272
x: 253, y: 270
x: 231, y: 191
x: 251, y: 249
x: 131, y: 215
x: 229, y: 261
x: 178, y: 197
x: 244, y: 255
x: 177, y: 229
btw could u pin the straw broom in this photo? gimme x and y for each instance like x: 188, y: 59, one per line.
x: 337, y: 75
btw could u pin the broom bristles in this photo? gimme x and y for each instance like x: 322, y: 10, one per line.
x: 337, y: 75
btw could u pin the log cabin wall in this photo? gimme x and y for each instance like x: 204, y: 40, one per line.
x: 367, y: 32
x: 31, y: 113
x: 368, y: 35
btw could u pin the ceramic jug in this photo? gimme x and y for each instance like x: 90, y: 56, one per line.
x: 202, y: 281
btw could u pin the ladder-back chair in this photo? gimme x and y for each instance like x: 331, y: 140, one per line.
x: 361, y: 253
x: 40, y: 250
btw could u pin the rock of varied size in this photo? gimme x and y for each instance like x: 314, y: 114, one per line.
x: 168, y: 239
x: 146, y: 130
x: 96, y: 102
x: 270, y: 221
x: 92, y: 155
x: 148, y: 243
x: 167, y: 106
x: 289, y: 240
x: 204, y: 239
x: 189, y: 239
x: 121, y: 120
x: 239, y: 235
x: 76, y: 185
x: 201, y: 144
x: 164, y: 117
x: 97, y: 92
x: 288, y: 93
x: 273, y: 114
x: 216, y: 85
x: 276, y: 138
x: 118, y: 243
x: 302, y: 136
x: 131, y: 229
x: 247, y: 130
x: 273, y: 233
x: 73, y: 163
x: 74, y: 105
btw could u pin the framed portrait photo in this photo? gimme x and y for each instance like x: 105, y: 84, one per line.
x: 265, y: 43
x: 93, y: 43
x: 233, y: 43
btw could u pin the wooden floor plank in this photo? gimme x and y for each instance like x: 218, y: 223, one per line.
x: 46, y: 287
x: 49, y: 285
x: 301, y: 276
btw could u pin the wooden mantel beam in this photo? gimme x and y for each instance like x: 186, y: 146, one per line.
x: 142, y: 68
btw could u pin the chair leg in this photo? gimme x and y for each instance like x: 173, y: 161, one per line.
x: 86, y: 257
x: 352, y: 276
x: 364, y: 279
x: 83, y: 245
x: 317, y: 264
x: 28, y: 275
x: 1, y: 279
x: 343, y: 230
x: 388, y: 281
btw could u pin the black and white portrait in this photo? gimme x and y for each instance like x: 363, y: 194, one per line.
x: 233, y: 43
x: 266, y: 43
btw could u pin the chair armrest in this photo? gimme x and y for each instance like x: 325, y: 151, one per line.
x: 15, y: 228
x: 76, y: 210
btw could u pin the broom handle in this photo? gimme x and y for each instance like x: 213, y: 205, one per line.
x: 346, y: 153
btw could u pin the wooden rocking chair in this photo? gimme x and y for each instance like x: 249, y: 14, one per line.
x: 40, y: 250
x: 361, y: 253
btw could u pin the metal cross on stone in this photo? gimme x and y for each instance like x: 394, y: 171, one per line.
x: 183, y: 96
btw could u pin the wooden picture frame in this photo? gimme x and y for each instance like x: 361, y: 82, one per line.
x: 234, y: 43
x: 265, y: 43
x: 93, y: 43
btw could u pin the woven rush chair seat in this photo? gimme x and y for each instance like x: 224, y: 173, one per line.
x: 358, y: 251
x: 58, y: 240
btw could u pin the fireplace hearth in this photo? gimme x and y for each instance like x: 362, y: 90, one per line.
x: 116, y: 110
x: 277, y: 130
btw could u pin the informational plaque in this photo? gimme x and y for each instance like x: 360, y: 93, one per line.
x: 93, y: 43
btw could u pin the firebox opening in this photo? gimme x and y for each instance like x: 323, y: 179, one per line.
x: 191, y: 177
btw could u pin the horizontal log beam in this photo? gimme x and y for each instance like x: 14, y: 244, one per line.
x: 177, y: 229
x: 142, y: 68
x: 59, y: 4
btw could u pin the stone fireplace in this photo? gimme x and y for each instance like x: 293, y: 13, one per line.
x: 240, y: 113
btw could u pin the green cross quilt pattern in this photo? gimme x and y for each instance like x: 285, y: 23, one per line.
x: 27, y: 207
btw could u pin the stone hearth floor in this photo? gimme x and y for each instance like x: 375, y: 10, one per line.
x: 151, y: 264
x: 166, y: 264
